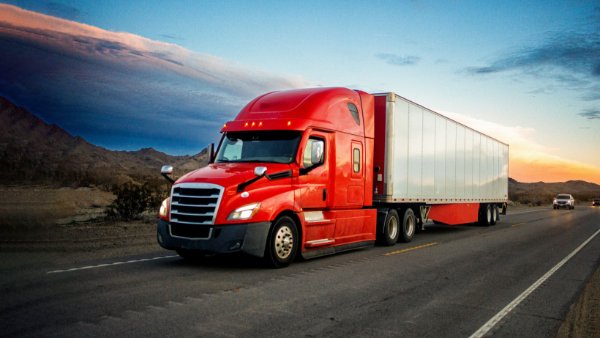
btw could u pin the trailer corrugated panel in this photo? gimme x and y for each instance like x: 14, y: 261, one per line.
x: 427, y: 157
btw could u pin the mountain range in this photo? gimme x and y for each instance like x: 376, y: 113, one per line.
x: 35, y: 152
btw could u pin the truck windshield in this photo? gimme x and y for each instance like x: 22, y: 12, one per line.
x: 267, y: 146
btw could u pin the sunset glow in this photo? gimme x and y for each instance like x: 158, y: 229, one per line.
x: 168, y: 76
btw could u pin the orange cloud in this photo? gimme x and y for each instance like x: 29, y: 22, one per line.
x: 530, y: 161
x: 120, y: 47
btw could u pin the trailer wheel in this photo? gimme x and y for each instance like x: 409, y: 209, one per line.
x: 485, y: 215
x: 494, y: 218
x: 390, y: 229
x: 409, y: 226
x: 282, y: 243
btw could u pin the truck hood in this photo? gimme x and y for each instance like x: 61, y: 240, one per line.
x: 229, y: 174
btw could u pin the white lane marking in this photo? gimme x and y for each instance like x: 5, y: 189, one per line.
x: 498, y: 317
x: 112, y: 264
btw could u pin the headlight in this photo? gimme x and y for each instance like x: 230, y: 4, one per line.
x: 245, y: 212
x: 554, y: 201
x: 163, y: 212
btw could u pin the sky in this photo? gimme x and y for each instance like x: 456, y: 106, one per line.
x: 167, y: 74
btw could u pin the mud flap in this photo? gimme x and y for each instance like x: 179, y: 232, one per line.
x: 424, y: 213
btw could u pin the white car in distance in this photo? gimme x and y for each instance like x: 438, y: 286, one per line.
x: 563, y: 201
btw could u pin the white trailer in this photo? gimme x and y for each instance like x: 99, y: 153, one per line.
x: 449, y: 170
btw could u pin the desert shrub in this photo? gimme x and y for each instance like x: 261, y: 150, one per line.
x: 132, y: 200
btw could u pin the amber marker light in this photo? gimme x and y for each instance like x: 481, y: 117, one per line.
x: 225, y: 125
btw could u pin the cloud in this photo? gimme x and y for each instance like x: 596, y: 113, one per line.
x: 570, y: 52
x: 398, y: 60
x: 529, y: 160
x: 121, y: 90
x: 591, y: 114
x: 570, y: 58
x: 62, y: 10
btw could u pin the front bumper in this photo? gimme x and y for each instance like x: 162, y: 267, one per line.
x: 250, y: 238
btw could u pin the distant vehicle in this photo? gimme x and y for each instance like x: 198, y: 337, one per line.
x: 596, y: 202
x: 563, y: 201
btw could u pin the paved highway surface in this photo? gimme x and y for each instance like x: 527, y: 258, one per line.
x: 450, y: 282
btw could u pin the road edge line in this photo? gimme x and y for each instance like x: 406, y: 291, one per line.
x: 483, y: 330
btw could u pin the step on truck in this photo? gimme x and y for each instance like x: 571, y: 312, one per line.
x: 313, y: 172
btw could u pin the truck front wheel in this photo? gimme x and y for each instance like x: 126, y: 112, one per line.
x: 390, y: 229
x: 409, y: 225
x: 282, y: 243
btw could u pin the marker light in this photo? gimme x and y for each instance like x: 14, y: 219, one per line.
x: 260, y: 124
x: 246, y: 124
x: 253, y: 124
x: 225, y: 125
x: 244, y: 212
x: 289, y: 123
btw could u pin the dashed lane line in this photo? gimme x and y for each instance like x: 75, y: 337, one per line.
x: 397, y: 252
x: 112, y: 264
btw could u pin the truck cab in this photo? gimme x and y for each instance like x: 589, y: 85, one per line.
x: 291, y: 175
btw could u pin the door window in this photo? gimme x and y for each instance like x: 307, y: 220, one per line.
x: 314, y: 153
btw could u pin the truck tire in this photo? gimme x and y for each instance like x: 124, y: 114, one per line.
x: 409, y: 226
x: 389, y: 229
x: 494, y: 219
x: 282, y: 243
x: 485, y: 215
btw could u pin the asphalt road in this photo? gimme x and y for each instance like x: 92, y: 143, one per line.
x: 448, y: 282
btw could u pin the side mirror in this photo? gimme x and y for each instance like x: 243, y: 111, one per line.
x: 260, y: 171
x: 165, y: 171
x: 316, y: 152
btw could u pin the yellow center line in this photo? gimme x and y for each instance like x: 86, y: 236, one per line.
x: 410, y: 249
x: 517, y: 224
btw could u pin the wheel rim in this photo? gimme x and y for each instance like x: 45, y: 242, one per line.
x: 392, y: 227
x: 284, y: 242
x: 410, y: 226
x: 489, y: 214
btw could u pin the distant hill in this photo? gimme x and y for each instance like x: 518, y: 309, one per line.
x: 540, y: 193
x: 34, y: 152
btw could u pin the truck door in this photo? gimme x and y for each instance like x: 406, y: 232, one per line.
x: 313, y: 192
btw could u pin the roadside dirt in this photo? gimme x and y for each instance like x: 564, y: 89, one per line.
x: 35, y: 207
x: 583, y: 319
x: 68, y: 223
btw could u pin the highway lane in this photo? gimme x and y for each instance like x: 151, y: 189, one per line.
x: 449, y: 281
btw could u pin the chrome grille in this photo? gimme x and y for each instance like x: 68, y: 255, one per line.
x: 193, y: 206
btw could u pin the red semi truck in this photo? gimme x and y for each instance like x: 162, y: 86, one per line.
x: 323, y: 170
